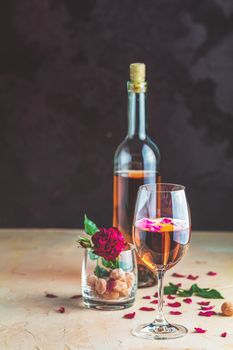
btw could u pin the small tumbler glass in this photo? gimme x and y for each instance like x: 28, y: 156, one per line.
x: 108, y: 286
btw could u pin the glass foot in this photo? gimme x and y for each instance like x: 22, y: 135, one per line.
x: 156, y: 331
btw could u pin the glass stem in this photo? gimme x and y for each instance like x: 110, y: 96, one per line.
x: 160, y: 319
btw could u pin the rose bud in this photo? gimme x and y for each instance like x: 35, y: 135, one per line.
x: 125, y: 292
x: 118, y: 274
x: 119, y: 286
x: 91, y: 280
x: 227, y: 308
x: 129, y: 279
x: 100, y: 285
x: 111, y: 295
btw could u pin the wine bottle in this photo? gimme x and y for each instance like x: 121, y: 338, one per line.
x: 136, y: 162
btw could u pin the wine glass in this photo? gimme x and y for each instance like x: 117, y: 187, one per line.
x: 161, y: 234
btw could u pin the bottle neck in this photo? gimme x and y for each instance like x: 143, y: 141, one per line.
x: 137, y: 123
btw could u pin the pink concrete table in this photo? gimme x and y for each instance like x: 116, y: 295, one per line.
x: 33, y: 262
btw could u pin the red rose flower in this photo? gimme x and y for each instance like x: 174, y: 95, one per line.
x: 108, y: 243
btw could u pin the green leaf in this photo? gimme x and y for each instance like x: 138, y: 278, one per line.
x: 110, y: 264
x: 171, y: 289
x: 89, y: 226
x: 193, y: 290
x: 200, y: 292
x: 188, y: 292
x: 210, y: 294
x: 92, y: 255
x: 185, y: 293
x: 84, y: 242
x: 101, y: 272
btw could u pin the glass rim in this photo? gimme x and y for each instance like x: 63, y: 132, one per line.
x: 131, y: 247
x: 152, y: 187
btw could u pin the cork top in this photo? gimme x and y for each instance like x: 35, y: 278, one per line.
x: 137, y: 73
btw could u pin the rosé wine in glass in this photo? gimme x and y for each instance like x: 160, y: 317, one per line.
x: 161, y: 241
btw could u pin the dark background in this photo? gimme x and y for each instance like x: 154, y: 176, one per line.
x: 63, y: 104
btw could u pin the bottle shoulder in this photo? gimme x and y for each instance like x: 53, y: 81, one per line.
x: 152, y: 145
x: 135, y: 145
x: 137, y: 153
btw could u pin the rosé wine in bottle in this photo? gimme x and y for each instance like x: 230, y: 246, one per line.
x: 136, y: 162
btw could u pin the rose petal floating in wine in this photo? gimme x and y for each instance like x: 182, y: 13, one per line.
x: 224, y: 334
x: 145, y: 308
x: 149, y: 224
x: 146, y: 297
x: 204, y: 303
x: 50, y: 295
x: 170, y: 296
x: 175, y: 274
x: 61, y: 310
x: 211, y: 273
x: 77, y: 296
x: 175, y: 313
x: 187, y: 300
x: 154, y: 302
x: 176, y: 304
x: 156, y: 295
x: 206, y: 308
x: 207, y: 313
x: 199, y: 330
x: 156, y: 228
x: 130, y: 315
x: 191, y: 277
x: 166, y: 221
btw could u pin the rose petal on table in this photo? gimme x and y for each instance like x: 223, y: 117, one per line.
x: 50, y: 295
x: 169, y: 296
x: 199, y: 330
x: 156, y: 295
x: 130, y: 315
x: 146, y: 297
x: 77, y: 296
x: 191, y: 277
x: 61, y: 310
x: 176, y: 304
x: 206, y: 308
x: 154, y: 302
x: 211, y: 273
x: 145, y: 308
x: 223, y: 335
x: 178, y: 284
x: 207, y: 313
x: 204, y: 303
x: 187, y: 300
x: 175, y: 313
x: 175, y: 274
